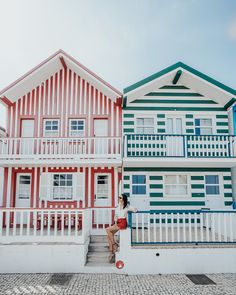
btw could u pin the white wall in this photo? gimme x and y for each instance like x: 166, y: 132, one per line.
x: 175, y: 260
x: 1, y: 185
x: 51, y: 258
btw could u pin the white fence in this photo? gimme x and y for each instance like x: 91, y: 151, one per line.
x: 168, y: 227
x: 44, y: 225
x: 58, y: 148
x: 100, y: 219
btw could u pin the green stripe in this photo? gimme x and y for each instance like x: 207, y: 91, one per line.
x: 173, y: 101
x: 176, y: 203
x: 156, y: 186
x: 198, y: 195
x: 222, y: 123
x: 228, y: 195
x: 174, y: 87
x: 221, y: 116
x: 126, y: 185
x: 155, y: 177
x: 188, y: 116
x: 228, y: 186
x: 161, y: 130
x: 227, y: 177
x: 161, y: 115
x: 128, y: 115
x: 222, y: 131
x: 161, y: 123
x: 176, y: 169
x: 128, y: 130
x: 228, y: 203
x: 197, y: 186
x: 228, y: 104
x: 174, y: 94
x: 196, y: 177
x: 126, y: 177
x: 189, y: 124
x: 189, y: 130
x: 156, y: 195
x: 173, y: 109
x: 128, y: 122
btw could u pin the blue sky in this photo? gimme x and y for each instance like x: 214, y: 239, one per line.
x: 122, y: 41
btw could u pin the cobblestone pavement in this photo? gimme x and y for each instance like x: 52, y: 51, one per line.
x: 116, y: 284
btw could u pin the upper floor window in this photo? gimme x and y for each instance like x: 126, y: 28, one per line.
x: 212, y: 185
x: 51, y: 128
x: 77, y: 127
x: 176, y: 185
x: 203, y: 126
x: 62, y: 187
x: 139, y: 184
x: 145, y: 125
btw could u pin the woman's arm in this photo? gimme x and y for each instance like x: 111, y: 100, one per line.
x: 132, y: 209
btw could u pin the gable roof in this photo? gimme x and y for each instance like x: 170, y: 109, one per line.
x: 49, y: 66
x: 186, y: 74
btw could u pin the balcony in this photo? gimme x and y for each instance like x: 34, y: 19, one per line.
x: 180, y: 148
x: 61, y: 150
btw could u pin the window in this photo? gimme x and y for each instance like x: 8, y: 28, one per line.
x: 174, y: 126
x: 145, y: 125
x: 51, y: 128
x: 24, y: 187
x: 76, y: 127
x: 138, y: 184
x: 62, y: 187
x: 176, y: 185
x: 212, y: 185
x: 203, y: 126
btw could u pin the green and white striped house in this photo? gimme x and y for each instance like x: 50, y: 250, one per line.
x: 179, y: 147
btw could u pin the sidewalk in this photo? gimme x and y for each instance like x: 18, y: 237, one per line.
x: 103, y: 284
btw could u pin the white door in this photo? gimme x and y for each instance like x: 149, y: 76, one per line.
x: 213, y: 188
x: 174, y: 144
x: 102, y: 190
x: 23, y: 192
x: 101, y: 134
x: 27, y: 134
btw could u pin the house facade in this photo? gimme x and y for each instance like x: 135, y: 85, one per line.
x: 63, y: 144
x: 179, y: 144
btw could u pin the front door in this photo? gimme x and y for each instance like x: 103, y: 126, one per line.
x: 213, y: 192
x: 27, y: 134
x: 174, y: 143
x: 101, y: 136
x: 23, y: 192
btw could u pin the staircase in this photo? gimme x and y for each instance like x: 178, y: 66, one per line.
x: 98, y: 251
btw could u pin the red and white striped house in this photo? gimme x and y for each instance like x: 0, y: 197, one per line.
x: 63, y: 144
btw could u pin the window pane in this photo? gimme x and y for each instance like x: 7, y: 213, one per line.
x: 206, y: 131
x: 183, y: 179
x: 212, y: 190
x: 148, y: 130
x: 197, y: 122
x: 138, y: 179
x: 206, y: 122
x: 170, y: 126
x: 179, y: 126
x: 212, y: 179
x: 170, y: 179
x: 140, y: 122
x: 140, y: 130
x: 149, y: 121
x: 138, y: 189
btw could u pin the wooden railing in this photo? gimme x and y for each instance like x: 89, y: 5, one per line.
x: 189, y: 146
x: 44, y: 225
x: 60, y: 148
x: 100, y: 219
x: 177, y: 227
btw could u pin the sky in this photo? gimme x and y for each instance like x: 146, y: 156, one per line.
x: 122, y: 41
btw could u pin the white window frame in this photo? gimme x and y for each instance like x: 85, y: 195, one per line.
x: 146, y: 117
x: 72, y: 187
x: 70, y: 131
x: 18, y: 185
x: 220, y: 185
x: 109, y: 184
x: 187, y: 185
x: 176, y: 116
x: 45, y: 131
x: 202, y: 117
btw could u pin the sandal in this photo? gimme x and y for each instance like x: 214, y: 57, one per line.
x: 115, y: 247
x: 111, y: 257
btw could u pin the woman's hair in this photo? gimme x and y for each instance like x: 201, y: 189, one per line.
x: 125, y: 200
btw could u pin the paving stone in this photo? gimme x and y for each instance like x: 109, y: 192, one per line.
x: 90, y: 284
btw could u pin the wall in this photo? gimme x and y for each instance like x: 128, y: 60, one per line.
x: 175, y: 260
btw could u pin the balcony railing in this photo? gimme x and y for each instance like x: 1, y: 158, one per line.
x: 189, y: 146
x: 182, y: 227
x: 60, y: 148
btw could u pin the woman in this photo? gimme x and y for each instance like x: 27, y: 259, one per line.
x: 121, y: 213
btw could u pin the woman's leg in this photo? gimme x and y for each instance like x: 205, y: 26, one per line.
x: 111, y: 230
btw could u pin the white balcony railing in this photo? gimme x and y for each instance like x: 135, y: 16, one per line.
x: 60, y: 148
x: 180, y: 227
x: 44, y: 225
x: 188, y: 146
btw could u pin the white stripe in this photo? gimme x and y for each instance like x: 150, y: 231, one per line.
x: 35, y: 91
x: 53, y: 93
x: 26, y: 102
x: 10, y: 122
x: 39, y: 109
x: 112, y: 118
x: 43, y: 98
x: 94, y: 100
x: 30, y: 102
x: 62, y: 98
x: 35, y: 184
x: 58, y: 91
x: 72, y: 92
x: 21, y: 105
x: 89, y: 109
x: 99, y: 93
x: 85, y: 97
x: 16, y: 118
x: 76, y: 94
x: 103, y: 104
x: 107, y: 106
x: 9, y: 185
x: 89, y: 186
x: 80, y: 97
x: 49, y: 95
x: 117, y: 121
x: 67, y: 100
